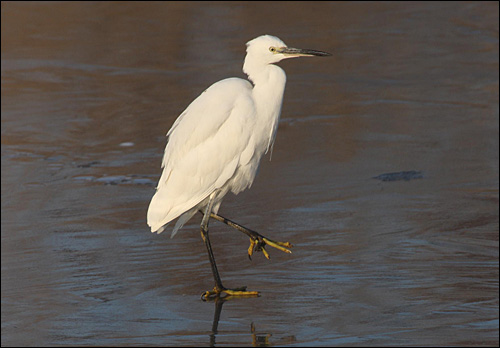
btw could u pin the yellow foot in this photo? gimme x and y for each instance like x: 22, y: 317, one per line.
x: 217, y: 292
x: 259, y: 243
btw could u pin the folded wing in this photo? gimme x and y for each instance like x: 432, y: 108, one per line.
x: 204, y: 150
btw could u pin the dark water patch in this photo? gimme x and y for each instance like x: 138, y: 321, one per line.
x: 398, y: 176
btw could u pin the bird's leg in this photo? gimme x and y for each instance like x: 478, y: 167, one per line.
x: 218, y: 288
x: 257, y: 241
x: 206, y: 240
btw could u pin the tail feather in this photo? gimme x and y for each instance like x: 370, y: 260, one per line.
x: 182, y: 220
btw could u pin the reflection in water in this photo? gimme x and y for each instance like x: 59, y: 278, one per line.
x: 219, y: 302
x: 258, y: 339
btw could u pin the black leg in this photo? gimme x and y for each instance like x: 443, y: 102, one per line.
x: 206, y: 239
x: 215, y: 272
x: 219, y: 288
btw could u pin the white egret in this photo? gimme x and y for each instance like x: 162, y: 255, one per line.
x: 216, y: 144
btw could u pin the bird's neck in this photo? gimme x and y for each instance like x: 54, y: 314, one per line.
x: 269, y: 85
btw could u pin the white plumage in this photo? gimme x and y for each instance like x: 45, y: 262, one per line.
x: 216, y: 144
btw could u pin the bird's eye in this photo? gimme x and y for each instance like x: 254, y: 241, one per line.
x: 272, y: 49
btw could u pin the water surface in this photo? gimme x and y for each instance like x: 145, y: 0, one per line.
x: 89, y: 91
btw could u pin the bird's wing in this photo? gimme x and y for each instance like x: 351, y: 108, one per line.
x: 203, y: 150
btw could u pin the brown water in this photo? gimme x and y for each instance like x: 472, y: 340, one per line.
x: 88, y: 93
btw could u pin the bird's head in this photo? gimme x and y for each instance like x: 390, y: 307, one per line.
x: 268, y: 49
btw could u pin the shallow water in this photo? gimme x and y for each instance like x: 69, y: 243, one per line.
x: 88, y: 93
